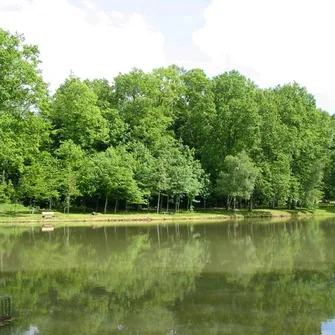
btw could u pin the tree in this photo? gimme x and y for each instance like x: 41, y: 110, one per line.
x: 177, y: 173
x: 118, y: 128
x: 71, y: 160
x: 237, y: 179
x: 23, y: 99
x: 76, y: 116
x: 144, y: 169
x: 115, y: 176
x: 236, y: 126
x: 40, y: 180
x: 308, y: 137
x: 144, y: 104
x: 22, y: 89
x: 196, y: 114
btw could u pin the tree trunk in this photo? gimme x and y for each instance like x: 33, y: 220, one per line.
x: 250, y: 204
x: 293, y: 204
x: 158, y: 201
x: 227, y: 205
x: 234, y: 203
x: 178, y: 203
x: 167, y: 203
x: 106, y: 204
x: 68, y: 204
x: 97, y: 205
x: 161, y: 205
x: 50, y: 202
x: 188, y: 204
x: 116, y: 205
x: 204, y: 203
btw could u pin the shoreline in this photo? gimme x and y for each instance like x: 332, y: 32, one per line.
x: 140, y: 218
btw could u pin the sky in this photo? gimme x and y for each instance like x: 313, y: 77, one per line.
x: 271, y: 42
x: 328, y: 328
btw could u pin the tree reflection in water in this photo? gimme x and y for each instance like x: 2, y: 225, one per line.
x: 231, y: 278
x: 71, y: 280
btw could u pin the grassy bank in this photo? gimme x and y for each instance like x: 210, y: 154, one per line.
x: 23, y: 217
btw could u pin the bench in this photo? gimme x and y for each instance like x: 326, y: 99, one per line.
x: 48, y: 227
x: 48, y: 215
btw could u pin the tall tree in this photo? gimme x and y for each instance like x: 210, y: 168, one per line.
x: 23, y: 98
x: 40, y: 180
x: 197, y: 111
x: 76, y: 116
x: 71, y: 161
x: 118, y: 128
x: 22, y: 89
x: 236, y: 125
x: 238, y: 177
x: 115, y: 176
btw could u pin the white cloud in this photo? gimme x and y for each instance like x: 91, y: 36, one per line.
x: 90, y: 42
x: 273, y: 42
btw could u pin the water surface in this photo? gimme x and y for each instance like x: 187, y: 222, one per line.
x: 247, y: 277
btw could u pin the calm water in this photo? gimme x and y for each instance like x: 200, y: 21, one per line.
x: 245, y: 278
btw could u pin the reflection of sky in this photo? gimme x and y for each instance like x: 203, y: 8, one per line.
x: 328, y: 328
x: 33, y: 330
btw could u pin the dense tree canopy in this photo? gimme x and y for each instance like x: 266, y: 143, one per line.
x: 163, y: 139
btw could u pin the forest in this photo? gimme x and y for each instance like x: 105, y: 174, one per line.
x: 168, y: 140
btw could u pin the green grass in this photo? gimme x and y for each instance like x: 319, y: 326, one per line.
x: 325, y: 210
x: 22, y: 216
x: 12, y: 208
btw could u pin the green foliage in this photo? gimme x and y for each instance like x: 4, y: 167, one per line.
x: 40, y: 180
x: 238, y: 177
x: 7, y: 192
x: 114, y: 172
x: 117, y: 126
x: 168, y: 135
x: 237, y: 122
x: 76, y: 115
x: 70, y: 158
x: 21, y: 85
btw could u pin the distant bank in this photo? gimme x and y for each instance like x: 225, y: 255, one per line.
x: 147, y: 218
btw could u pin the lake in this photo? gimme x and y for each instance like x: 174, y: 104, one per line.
x: 245, y: 277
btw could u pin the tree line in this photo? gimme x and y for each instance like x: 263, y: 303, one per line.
x: 168, y: 139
